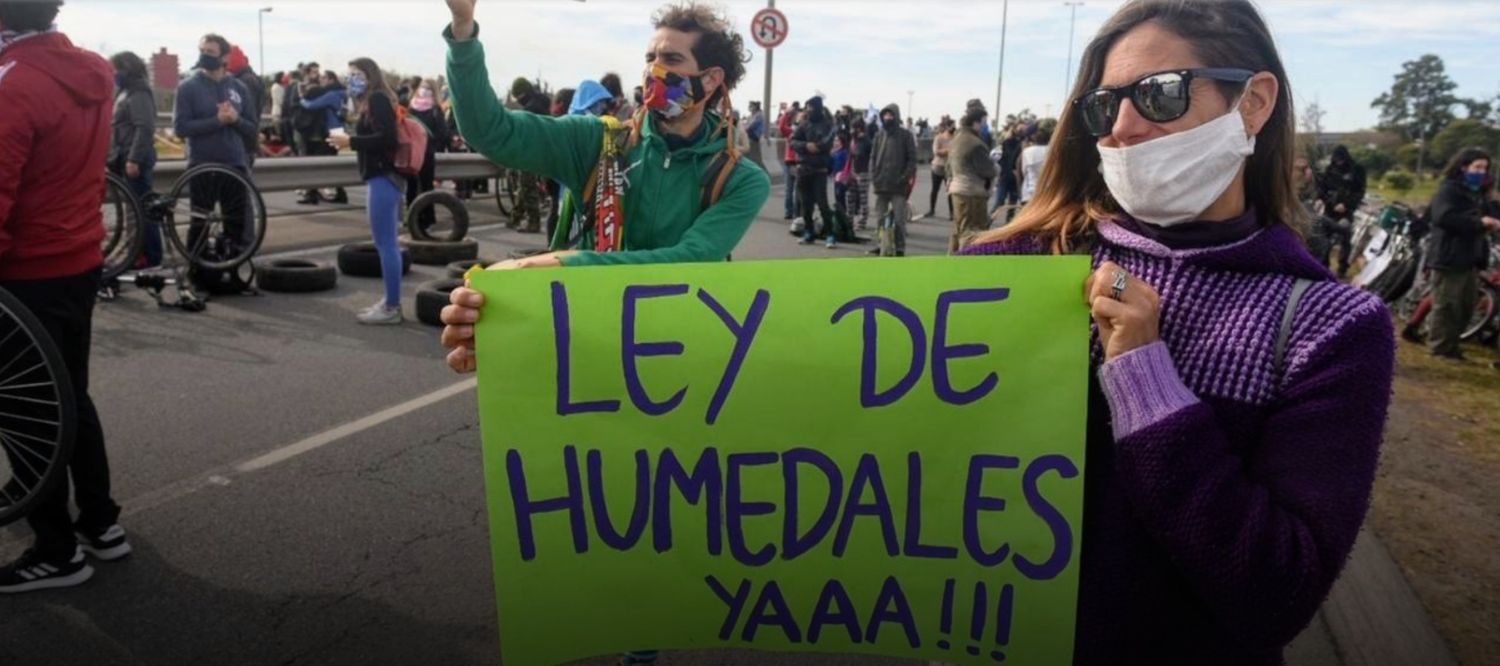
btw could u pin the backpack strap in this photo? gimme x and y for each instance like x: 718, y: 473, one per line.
x: 1299, y: 288
x: 711, y: 187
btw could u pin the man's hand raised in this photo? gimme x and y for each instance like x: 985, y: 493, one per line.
x: 463, y: 18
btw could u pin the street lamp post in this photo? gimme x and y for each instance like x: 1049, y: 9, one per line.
x: 260, y: 20
x: 1000, y: 82
x: 910, y: 114
x: 1068, y: 73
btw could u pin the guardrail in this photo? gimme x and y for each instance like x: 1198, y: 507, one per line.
x: 283, y: 174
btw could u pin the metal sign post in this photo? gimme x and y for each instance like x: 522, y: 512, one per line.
x: 768, y: 29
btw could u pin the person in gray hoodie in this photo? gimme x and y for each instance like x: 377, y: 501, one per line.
x: 213, y: 115
x: 893, y: 173
x: 132, y: 148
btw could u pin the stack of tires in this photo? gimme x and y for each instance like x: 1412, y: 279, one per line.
x: 439, y: 244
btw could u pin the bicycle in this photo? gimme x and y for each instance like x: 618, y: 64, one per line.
x: 215, y: 221
x: 1485, y: 320
x: 38, y: 411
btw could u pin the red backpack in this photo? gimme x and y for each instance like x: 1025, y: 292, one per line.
x: 411, y: 144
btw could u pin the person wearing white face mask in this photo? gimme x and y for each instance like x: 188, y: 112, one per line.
x: 1239, y: 392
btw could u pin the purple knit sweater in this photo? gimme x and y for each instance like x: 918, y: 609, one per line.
x: 1221, y: 500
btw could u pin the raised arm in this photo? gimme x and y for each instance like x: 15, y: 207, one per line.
x: 563, y: 149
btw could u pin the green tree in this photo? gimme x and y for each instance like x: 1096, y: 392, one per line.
x: 1400, y: 181
x: 1375, y: 161
x: 1421, y: 100
x: 1462, y: 134
x: 1407, y: 156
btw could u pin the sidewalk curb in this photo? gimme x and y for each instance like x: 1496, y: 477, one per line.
x: 1375, y: 618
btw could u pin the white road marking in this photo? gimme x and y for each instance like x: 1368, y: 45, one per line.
x: 327, y: 437
x: 222, y: 476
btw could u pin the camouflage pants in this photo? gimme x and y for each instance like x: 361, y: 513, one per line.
x: 528, y: 204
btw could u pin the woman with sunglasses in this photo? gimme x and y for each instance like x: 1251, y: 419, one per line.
x: 1239, y: 391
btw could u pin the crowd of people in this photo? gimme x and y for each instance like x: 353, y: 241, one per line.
x: 988, y: 170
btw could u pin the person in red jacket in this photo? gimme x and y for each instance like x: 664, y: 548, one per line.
x: 785, y: 125
x: 57, y: 103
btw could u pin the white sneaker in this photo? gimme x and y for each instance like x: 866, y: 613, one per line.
x: 381, y: 315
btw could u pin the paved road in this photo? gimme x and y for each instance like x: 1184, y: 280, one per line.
x: 300, y: 489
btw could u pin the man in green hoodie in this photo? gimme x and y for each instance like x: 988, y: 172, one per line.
x: 693, y: 60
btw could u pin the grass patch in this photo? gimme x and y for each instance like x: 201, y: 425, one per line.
x: 1465, y: 394
x: 1416, y: 196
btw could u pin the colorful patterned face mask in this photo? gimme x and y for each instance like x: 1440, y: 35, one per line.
x: 670, y: 95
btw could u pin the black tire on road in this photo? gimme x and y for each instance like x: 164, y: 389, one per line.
x: 457, y: 269
x: 432, y: 298
x: 457, y: 210
x: 363, y: 260
x: 295, y: 276
x: 442, y: 253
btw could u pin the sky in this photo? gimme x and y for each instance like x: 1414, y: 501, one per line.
x: 929, y: 56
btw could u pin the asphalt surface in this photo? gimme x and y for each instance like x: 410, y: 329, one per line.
x: 370, y: 549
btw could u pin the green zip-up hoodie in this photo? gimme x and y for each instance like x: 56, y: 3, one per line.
x: 662, y: 220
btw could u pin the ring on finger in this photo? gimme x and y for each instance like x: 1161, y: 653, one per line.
x: 1117, y: 289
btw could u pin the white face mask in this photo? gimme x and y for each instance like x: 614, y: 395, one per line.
x: 1172, y: 179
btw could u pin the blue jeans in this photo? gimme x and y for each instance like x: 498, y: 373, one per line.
x: 790, y: 179
x: 140, y: 187
x: 1006, y: 191
x: 384, y: 206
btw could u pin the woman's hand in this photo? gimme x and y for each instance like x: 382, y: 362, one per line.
x: 1132, y: 321
x: 132, y: 170
x: 339, y: 141
x: 463, y: 18
x: 462, y: 311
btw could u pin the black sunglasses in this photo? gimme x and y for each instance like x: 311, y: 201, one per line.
x: 1160, y: 97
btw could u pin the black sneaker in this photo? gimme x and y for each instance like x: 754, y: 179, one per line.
x: 32, y: 572
x: 109, y: 545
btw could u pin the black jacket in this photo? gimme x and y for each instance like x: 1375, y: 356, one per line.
x: 437, y: 128
x: 863, y: 146
x: 1458, y: 241
x: 134, y: 125
x: 375, y: 138
x: 894, y: 162
x: 1342, y: 183
x: 818, y: 131
x: 255, y: 104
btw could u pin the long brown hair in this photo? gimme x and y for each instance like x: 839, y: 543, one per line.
x: 1461, y: 161
x: 131, y: 68
x: 375, y: 80
x: 1071, y: 195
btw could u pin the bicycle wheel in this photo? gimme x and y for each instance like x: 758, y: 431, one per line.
x: 218, y: 219
x: 1484, y: 311
x: 38, y: 412
x: 504, y: 198
x: 124, y: 226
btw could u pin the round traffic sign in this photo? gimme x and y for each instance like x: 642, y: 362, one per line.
x: 768, y: 28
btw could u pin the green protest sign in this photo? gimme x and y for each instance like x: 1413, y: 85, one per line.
x: 855, y: 456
